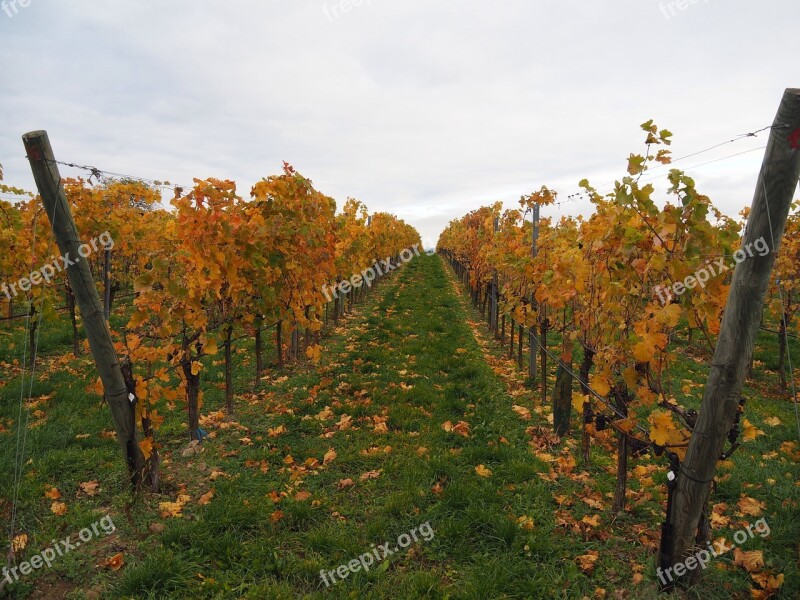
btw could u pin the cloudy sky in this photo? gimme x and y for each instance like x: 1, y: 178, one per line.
x: 424, y: 108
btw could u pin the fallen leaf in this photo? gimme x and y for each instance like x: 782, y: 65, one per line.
x: 750, y: 561
x: 174, y: 509
x: 275, y: 432
x: 462, y: 429
x: 525, y: 523
x: 216, y: 474
x: 751, y: 506
x: 483, y: 471
x: 523, y: 412
x: 115, y: 562
x: 276, y: 516
x: 591, y: 521
x: 206, y: 498
x: 750, y: 431
x: 587, y: 561
x: 19, y: 543
x: 89, y: 488
x: 769, y: 583
x: 370, y: 475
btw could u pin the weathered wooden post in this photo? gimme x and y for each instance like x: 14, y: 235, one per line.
x: 494, y: 301
x: 532, y: 341
x: 48, y: 182
x: 775, y: 190
x: 107, y: 282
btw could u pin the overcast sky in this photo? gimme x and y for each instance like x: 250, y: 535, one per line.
x: 423, y: 108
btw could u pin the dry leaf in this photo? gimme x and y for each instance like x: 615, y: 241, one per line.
x: 276, y: 516
x: 90, y: 488
x: 523, y: 412
x: 146, y: 445
x: 281, y: 429
x: 115, y: 562
x: 587, y: 561
x: 483, y: 471
x: 525, y: 523
x: 769, y: 583
x: 750, y: 561
x: 751, y: 506
x: 750, y: 431
x: 19, y: 543
x: 462, y: 429
x: 591, y: 521
x: 174, y: 509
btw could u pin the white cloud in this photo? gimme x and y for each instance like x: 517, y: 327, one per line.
x: 425, y: 108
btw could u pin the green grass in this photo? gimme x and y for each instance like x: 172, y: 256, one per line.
x: 239, y: 546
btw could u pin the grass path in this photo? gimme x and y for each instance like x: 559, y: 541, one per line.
x: 389, y: 381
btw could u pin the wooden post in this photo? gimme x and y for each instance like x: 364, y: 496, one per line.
x: 562, y: 393
x: 544, y: 325
x: 295, y: 342
x: 48, y: 182
x: 773, y: 197
x: 76, y: 342
x: 259, y: 349
x: 229, y: 368
x: 107, y: 283
x: 494, y: 302
x: 532, y: 341
x: 586, y: 369
x: 279, y: 342
x: 307, y: 330
x: 621, y: 399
